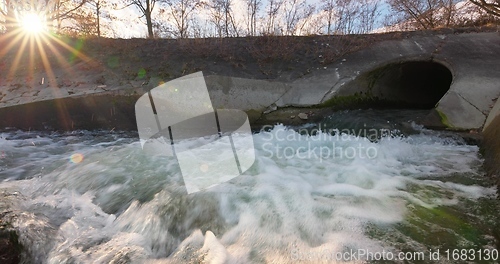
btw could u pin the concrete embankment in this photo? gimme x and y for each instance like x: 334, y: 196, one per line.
x: 491, y: 143
x: 455, y: 72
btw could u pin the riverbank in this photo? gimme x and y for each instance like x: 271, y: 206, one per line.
x: 257, y: 75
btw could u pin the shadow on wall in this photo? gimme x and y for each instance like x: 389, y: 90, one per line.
x: 412, y: 84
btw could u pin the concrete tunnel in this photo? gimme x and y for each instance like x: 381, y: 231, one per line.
x: 409, y: 84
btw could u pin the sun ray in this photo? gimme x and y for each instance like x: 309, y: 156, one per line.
x: 76, y: 52
x: 32, y: 52
x: 51, y: 79
x: 32, y: 66
x: 59, y: 56
x: 15, y: 63
x: 61, y: 61
x: 52, y: 83
x: 17, y: 37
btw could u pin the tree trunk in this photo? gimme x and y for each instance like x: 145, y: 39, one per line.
x: 149, y: 22
x: 98, y: 21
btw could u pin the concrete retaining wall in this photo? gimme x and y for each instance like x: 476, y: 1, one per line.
x: 472, y: 58
x: 491, y: 143
x: 99, y: 111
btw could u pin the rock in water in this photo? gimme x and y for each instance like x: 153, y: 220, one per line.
x: 302, y: 116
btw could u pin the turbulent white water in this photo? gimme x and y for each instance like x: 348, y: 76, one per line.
x: 304, y: 199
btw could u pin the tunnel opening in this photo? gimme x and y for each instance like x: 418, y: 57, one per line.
x: 412, y: 84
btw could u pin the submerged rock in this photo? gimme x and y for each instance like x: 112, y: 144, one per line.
x: 302, y: 116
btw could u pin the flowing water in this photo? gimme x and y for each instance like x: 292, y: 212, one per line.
x: 371, y: 187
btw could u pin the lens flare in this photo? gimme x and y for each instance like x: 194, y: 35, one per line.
x: 32, y: 24
x: 204, y: 168
x: 76, y: 158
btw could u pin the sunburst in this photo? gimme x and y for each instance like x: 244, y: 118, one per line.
x: 32, y: 24
x: 30, y: 49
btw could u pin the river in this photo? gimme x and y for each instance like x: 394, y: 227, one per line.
x: 372, y: 186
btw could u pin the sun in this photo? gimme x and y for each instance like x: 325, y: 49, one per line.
x: 32, y: 51
x: 32, y: 24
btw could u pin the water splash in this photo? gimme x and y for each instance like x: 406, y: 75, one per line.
x: 123, y: 205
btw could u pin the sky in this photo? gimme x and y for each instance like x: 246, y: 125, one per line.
x: 131, y: 25
x: 120, y: 21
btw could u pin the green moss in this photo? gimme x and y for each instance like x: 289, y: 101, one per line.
x: 141, y: 73
x: 470, y: 224
x: 373, y: 76
x: 440, y: 227
x: 444, y: 118
x: 444, y: 219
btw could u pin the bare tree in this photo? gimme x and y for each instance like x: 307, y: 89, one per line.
x: 97, y: 5
x: 329, y: 9
x: 272, y: 11
x: 216, y: 16
x: 312, y: 25
x: 58, y: 11
x: 369, y: 11
x: 8, y: 12
x: 180, y: 11
x: 198, y: 30
x: 162, y: 29
x: 229, y: 20
x: 350, y: 16
x: 470, y: 14
x: 306, y: 22
x: 253, y: 7
x: 87, y: 21
x: 81, y: 24
x: 295, y: 11
x: 424, y: 14
x: 222, y: 17
x: 492, y: 7
x: 146, y: 7
x: 340, y: 16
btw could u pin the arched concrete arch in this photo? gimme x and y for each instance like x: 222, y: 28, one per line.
x: 473, y: 60
x: 410, y: 84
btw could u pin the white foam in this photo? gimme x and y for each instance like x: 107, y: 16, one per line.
x: 121, y: 204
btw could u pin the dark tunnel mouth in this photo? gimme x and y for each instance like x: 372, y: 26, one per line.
x: 413, y: 84
x: 405, y: 84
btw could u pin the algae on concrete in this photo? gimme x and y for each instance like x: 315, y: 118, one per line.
x: 444, y: 119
